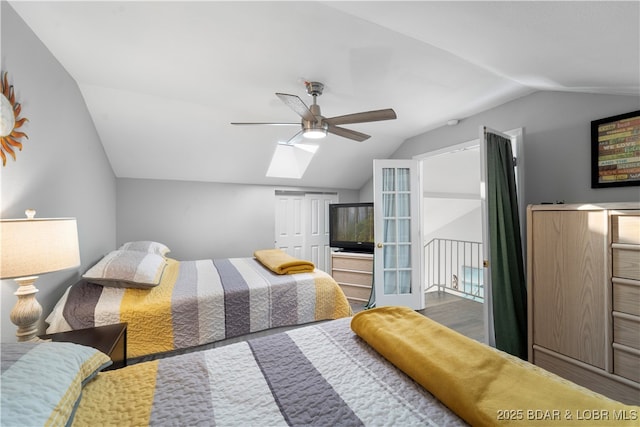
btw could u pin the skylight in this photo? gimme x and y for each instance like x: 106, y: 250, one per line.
x: 291, y: 161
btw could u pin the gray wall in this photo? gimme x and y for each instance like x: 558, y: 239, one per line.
x: 201, y: 220
x: 557, y: 141
x: 62, y: 170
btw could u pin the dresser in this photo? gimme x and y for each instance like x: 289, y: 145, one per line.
x: 583, y: 286
x: 354, y: 274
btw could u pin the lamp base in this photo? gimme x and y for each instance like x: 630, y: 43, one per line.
x: 27, y: 311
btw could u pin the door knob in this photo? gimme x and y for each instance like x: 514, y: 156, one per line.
x: 379, y: 245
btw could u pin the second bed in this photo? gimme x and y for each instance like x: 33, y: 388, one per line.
x: 201, y: 302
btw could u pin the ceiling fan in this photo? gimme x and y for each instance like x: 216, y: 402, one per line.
x: 315, y: 126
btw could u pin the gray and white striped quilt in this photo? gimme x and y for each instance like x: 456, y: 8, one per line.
x: 320, y: 375
x: 201, y: 302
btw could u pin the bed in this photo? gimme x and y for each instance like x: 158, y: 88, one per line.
x: 385, y: 366
x: 171, y: 305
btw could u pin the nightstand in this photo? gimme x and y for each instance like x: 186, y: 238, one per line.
x: 109, y: 339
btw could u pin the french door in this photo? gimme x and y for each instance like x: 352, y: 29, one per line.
x: 398, y: 237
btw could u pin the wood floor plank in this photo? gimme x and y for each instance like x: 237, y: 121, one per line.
x: 460, y: 314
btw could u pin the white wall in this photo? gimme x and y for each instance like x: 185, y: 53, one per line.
x: 200, y: 219
x: 464, y: 220
x: 62, y: 170
x: 452, y: 195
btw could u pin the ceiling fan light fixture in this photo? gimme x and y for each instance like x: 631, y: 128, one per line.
x: 315, y: 133
x: 314, y: 130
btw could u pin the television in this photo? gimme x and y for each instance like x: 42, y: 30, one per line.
x: 351, y: 227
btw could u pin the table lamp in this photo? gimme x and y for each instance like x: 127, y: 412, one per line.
x: 30, y: 247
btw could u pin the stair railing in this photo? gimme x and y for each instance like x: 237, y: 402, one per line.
x: 454, y: 266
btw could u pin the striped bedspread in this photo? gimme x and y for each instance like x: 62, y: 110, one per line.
x: 320, y: 375
x: 199, y: 302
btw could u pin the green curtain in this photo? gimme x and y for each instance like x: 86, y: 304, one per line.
x: 509, y: 293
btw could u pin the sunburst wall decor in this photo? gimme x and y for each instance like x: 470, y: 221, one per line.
x: 9, y: 122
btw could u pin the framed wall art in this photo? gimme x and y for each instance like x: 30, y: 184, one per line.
x: 615, y: 151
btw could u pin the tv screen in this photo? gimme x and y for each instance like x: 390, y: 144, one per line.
x: 351, y: 226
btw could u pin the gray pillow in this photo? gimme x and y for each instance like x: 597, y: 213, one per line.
x: 127, y: 269
x: 146, y: 246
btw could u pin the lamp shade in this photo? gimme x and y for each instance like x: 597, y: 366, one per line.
x: 30, y: 247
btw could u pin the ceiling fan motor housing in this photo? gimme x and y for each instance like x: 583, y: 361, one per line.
x: 314, y: 88
x: 318, y: 125
x: 308, y: 126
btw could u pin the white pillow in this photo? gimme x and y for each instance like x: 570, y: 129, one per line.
x: 146, y: 246
x: 127, y: 269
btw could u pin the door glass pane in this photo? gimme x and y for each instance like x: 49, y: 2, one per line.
x: 404, y: 256
x: 404, y: 281
x: 389, y: 204
x: 404, y: 230
x: 390, y: 282
x: 388, y: 179
x: 403, y: 179
x: 404, y: 204
x: 389, y: 231
x: 390, y: 259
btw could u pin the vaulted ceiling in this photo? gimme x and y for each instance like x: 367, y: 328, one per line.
x: 163, y: 80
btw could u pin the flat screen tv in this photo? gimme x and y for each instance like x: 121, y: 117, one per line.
x: 351, y: 227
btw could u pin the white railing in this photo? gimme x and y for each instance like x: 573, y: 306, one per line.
x: 454, y: 266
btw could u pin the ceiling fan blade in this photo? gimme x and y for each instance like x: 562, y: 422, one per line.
x: 367, y: 116
x: 348, y: 133
x: 296, y: 104
x: 294, y: 139
x: 262, y: 123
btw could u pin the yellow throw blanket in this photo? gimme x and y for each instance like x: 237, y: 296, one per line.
x: 280, y: 262
x: 482, y: 385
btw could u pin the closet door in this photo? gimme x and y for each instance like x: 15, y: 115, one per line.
x: 316, y: 215
x: 302, y: 225
x: 290, y: 223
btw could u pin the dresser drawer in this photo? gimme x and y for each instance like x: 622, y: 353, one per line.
x: 359, y: 264
x: 626, y: 330
x: 626, y: 262
x: 626, y: 364
x: 580, y: 373
x: 626, y: 297
x: 352, y: 277
x: 357, y: 293
x: 626, y: 229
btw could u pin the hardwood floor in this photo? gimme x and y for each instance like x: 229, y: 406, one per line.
x: 460, y: 314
